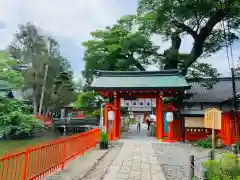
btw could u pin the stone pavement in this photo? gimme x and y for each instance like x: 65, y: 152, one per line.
x: 136, y: 160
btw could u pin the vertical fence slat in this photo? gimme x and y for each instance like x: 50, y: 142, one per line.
x: 64, y: 153
x: 25, y: 164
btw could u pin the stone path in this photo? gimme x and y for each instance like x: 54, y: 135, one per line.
x: 77, y: 168
x: 174, y: 159
x: 98, y: 172
x: 136, y: 160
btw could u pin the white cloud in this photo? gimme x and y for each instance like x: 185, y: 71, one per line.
x: 73, y: 19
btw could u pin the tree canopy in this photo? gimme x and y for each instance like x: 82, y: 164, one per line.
x: 127, y: 44
x: 40, y: 56
x: 7, y: 72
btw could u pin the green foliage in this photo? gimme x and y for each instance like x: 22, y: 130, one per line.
x: 12, y: 77
x: 118, y: 48
x: 89, y: 102
x: 224, y: 168
x: 86, y: 99
x: 63, y: 91
x: 16, y: 120
x: 104, y: 137
x: 96, y: 113
x: 207, y: 143
x: 124, y: 111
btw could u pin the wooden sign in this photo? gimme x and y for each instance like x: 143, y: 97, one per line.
x: 213, y: 118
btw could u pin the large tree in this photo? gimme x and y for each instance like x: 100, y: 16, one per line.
x: 126, y: 45
x: 63, y: 91
x: 118, y: 48
x: 209, y: 23
x: 40, y: 56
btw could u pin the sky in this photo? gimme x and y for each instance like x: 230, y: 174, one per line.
x: 71, y: 21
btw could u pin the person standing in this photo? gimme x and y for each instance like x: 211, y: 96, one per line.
x: 148, y: 122
x: 152, y: 123
x: 138, y: 122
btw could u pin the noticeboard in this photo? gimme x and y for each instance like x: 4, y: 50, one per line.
x: 213, y: 118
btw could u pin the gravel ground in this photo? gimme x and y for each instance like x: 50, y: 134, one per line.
x: 174, y: 159
x: 92, y: 166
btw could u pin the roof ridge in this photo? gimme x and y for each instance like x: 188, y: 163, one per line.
x: 227, y: 78
x: 138, y: 73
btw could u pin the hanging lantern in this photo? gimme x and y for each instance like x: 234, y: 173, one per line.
x: 110, y: 115
x: 169, y: 117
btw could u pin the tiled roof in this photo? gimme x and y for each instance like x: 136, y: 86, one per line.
x: 220, y: 92
x: 119, y: 80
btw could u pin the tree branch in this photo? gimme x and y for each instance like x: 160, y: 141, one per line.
x: 197, y: 48
x: 185, y: 28
x: 136, y: 63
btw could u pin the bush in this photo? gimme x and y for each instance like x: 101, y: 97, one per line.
x: 104, y: 137
x: 16, y: 120
x: 207, y: 143
x: 224, y: 168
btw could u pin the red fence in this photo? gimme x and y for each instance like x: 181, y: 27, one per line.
x: 38, y: 161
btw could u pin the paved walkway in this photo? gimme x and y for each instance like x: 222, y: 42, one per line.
x: 136, y: 160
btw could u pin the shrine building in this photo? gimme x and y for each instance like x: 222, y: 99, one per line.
x: 142, y: 84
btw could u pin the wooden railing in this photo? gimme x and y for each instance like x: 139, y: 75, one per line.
x: 36, y: 162
x: 46, y: 120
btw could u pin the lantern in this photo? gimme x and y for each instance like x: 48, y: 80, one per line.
x: 110, y: 115
x: 169, y: 117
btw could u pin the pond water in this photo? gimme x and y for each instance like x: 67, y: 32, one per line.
x: 7, y: 145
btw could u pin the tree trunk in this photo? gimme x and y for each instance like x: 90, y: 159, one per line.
x: 35, y: 104
x: 43, y: 90
x: 171, y: 54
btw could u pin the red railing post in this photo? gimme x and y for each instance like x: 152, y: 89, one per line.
x: 25, y: 164
x: 64, y: 155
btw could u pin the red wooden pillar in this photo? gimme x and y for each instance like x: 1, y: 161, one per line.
x: 159, y: 118
x: 145, y: 117
x: 116, y: 123
x: 118, y: 112
x: 170, y: 132
x: 228, y: 132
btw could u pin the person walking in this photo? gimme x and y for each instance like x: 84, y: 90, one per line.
x: 139, y: 120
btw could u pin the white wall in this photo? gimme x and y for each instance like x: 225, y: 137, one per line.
x: 194, y: 122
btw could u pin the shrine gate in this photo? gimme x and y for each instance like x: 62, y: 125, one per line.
x: 140, y: 84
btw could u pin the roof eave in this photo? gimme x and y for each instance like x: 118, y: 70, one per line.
x: 137, y: 88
